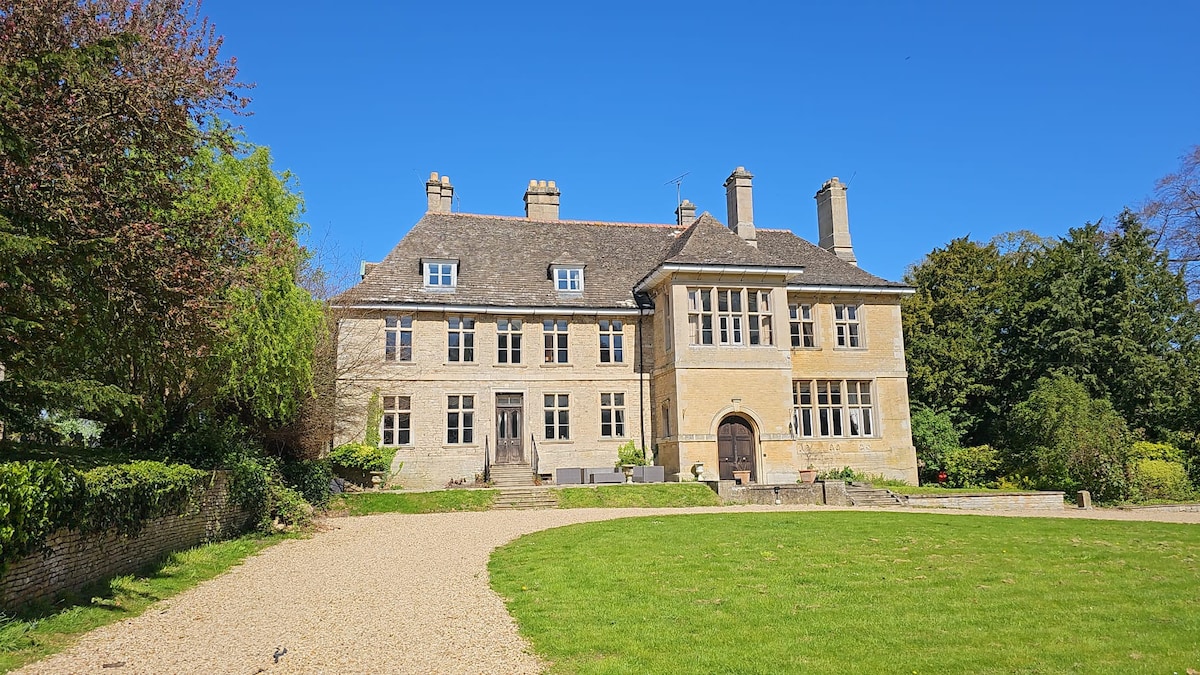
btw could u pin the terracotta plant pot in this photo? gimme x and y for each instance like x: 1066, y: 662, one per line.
x: 808, y: 475
x: 742, y: 477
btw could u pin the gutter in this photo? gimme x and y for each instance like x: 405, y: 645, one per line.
x: 858, y: 290
x: 652, y: 279
x: 485, y: 309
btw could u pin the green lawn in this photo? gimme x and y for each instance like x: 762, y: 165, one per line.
x: 840, y: 592
x: 366, y: 503
x: 637, y: 495
x: 39, y: 634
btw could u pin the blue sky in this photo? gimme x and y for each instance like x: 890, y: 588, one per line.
x: 949, y: 118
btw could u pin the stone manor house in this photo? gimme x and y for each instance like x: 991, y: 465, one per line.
x: 549, y: 343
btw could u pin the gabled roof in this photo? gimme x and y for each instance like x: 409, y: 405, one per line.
x: 504, y: 261
x: 708, y: 242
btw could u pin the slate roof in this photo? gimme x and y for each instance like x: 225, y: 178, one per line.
x: 504, y: 261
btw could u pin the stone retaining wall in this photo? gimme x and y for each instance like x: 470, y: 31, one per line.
x: 1173, y: 508
x: 989, y: 501
x: 793, y: 493
x: 72, y: 561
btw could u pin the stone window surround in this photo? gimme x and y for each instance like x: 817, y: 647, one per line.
x: 509, y: 340
x: 614, y: 330
x: 397, y: 410
x: 397, y: 338
x: 460, y: 419
x: 556, y: 338
x: 557, y: 417
x: 460, y: 339
x: 801, y: 317
x: 847, y: 403
x: 613, y: 403
x: 848, y: 326
x: 733, y: 326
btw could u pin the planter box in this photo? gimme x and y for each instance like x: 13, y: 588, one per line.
x: 573, y: 476
x: 649, y: 474
x: 589, y: 473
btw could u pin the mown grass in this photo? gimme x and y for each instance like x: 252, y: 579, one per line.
x: 366, y: 503
x: 40, y: 632
x: 839, y: 592
x: 637, y: 495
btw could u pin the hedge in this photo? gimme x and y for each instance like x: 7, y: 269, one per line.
x: 37, y: 498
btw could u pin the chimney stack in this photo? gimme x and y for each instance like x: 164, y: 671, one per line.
x: 541, y: 200
x: 833, y: 220
x: 739, y: 204
x: 686, y: 213
x: 440, y: 193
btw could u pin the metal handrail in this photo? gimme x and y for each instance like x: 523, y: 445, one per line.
x: 533, y: 455
x: 487, y: 463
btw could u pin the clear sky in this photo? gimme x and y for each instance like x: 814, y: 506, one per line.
x: 949, y: 118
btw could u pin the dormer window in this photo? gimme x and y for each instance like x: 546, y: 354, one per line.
x: 568, y: 279
x: 441, y: 274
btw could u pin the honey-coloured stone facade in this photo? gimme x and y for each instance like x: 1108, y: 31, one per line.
x: 680, y: 394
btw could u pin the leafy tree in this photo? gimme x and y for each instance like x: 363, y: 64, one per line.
x: 261, y: 360
x: 104, y: 302
x: 1063, y: 439
x: 935, y: 437
x: 958, y: 324
x: 1104, y: 309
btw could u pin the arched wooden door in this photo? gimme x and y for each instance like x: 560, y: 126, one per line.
x: 735, y: 447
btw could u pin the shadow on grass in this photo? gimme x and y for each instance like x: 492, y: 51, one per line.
x: 43, y: 628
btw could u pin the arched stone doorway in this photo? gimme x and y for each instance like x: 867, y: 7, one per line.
x: 735, y: 447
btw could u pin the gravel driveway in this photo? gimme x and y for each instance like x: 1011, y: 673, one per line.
x: 377, y: 594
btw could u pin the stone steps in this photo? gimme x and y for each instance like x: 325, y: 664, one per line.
x: 865, y: 494
x: 511, y: 475
x: 524, y: 498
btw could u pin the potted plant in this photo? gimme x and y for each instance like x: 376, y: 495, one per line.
x: 808, y: 475
x: 741, y: 470
x: 629, y: 456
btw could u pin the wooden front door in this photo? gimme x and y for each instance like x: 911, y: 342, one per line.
x: 735, y: 447
x: 509, y: 429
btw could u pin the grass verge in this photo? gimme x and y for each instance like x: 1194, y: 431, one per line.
x: 39, y: 633
x: 638, y: 495
x: 366, y: 503
x: 836, y: 592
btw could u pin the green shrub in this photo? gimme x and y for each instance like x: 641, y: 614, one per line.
x: 256, y: 486
x: 125, y: 496
x: 1065, y: 440
x: 844, y: 473
x: 362, y: 457
x: 971, y: 467
x: 249, y: 485
x: 1163, y: 451
x: 629, y: 453
x: 309, y: 477
x: 934, y: 436
x: 1160, y: 479
x: 374, y: 419
x: 289, y: 509
x: 36, y: 498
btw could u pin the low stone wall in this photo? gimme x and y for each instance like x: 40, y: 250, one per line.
x: 794, y: 493
x: 71, y: 561
x: 1174, y: 508
x: 989, y: 501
